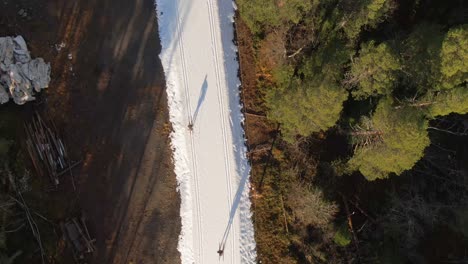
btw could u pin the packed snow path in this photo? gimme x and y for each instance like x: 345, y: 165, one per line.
x: 199, y: 61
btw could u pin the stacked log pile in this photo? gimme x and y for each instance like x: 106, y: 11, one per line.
x: 47, y: 150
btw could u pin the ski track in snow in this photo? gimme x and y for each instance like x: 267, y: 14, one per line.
x: 210, y: 161
x: 221, y: 116
x: 192, y: 145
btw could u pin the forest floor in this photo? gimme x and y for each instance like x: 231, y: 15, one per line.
x: 107, y: 97
x: 260, y: 134
x: 259, y: 131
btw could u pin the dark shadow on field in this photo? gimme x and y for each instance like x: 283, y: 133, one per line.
x: 234, y: 207
x: 118, y: 114
x: 201, y: 99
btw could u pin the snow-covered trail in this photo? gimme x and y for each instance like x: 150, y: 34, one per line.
x: 200, y: 65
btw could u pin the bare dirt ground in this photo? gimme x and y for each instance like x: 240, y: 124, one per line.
x: 107, y: 93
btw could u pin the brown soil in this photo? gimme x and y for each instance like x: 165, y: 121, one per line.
x: 107, y: 94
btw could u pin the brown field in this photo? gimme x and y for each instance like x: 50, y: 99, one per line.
x: 107, y: 97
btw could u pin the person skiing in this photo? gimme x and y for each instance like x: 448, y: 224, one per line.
x: 221, y: 250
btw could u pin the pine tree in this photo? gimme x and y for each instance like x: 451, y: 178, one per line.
x: 450, y: 101
x: 403, y: 140
x: 310, y: 100
x: 366, y: 14
x: 373, y: 71
x: 454, y: 58
x: 308, y: 107
x: 421, y: 58
x: 262, y: 14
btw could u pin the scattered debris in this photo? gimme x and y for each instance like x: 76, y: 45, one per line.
x: 22, y: 13
x: 20, y: 76
x: 59, y: 47
x: 76, y: 233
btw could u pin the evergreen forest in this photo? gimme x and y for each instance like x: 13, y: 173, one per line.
x: 368, y: 103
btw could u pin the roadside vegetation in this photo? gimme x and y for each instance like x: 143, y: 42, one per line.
x: 366, y: 124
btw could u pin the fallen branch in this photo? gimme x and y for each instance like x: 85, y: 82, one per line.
x: 253, y: 114
x: 296, y: 52
x: 350, y: 224
x: 36, y: 213
x: 362, y: 211
x: 69, y: 168
x: 448, y: 131
x: 32, y: 223
x: 284, y: 215
x: 15, y: 230
x: 417, y: 105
